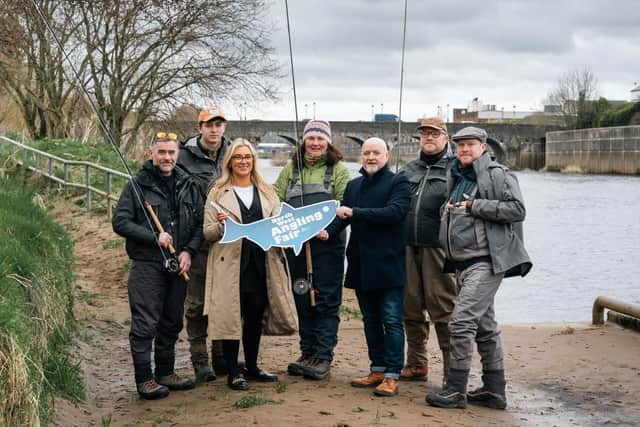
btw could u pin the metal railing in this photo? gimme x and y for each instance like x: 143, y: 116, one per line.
x: 49, y: 168
x: 597, y: 315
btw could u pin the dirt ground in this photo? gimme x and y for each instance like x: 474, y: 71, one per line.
x: 561, y: 375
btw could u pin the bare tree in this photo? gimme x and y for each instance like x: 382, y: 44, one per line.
x: 32, y: 68
x: 575, y: 92
x: 139, y: 59
x: 147, y: 57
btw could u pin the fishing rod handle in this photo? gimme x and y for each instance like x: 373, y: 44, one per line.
x: 156, y: 221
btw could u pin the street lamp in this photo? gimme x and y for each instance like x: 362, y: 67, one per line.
x: 447, y: 120
x: 373, y: 113
x: 306, y: 111
x: 314, y: 110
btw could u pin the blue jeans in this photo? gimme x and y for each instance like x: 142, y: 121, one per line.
x: 382, y: 312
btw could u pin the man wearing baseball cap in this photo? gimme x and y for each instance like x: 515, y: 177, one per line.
x: 428, y: 289
x: 482, y: 237
x: 201, y: 156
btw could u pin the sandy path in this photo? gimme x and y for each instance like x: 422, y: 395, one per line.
x: 557, y: 374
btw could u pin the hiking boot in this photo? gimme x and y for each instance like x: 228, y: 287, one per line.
x: 176, y: 382
x: 447, y: 398
x: 371, y: 380
x: 316, y: 369
x: 453, y: 395
x: 203, y: 371
x: 151, y: 390
x: 388, y: 387
x: 492, y: 394
x: 297, y: 367
x: 237, y: 383
x: 414, y: 373
x: 484, y: 397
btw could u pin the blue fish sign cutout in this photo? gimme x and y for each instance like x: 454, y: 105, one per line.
x: 291, y: 229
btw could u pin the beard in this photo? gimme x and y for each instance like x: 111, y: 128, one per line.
x: 372, y: 169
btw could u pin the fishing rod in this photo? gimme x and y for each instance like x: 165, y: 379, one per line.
x: 404, y: 38
x: 168, y: 262
x: 300, y: 286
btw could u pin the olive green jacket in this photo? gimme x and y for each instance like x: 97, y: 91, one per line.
x: 314, y: 175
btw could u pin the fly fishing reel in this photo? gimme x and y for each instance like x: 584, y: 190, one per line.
x: 171, y: 265
x: 301, y: 286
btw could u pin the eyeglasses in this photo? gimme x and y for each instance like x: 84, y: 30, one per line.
x: 240, y: 157
x: 432, y: 133
x: 165, y: 135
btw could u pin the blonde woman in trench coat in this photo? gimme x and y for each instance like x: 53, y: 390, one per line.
x: 247, y: 289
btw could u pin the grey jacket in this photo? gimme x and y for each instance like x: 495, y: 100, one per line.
x: 499, y: 206
x: 198, y: 164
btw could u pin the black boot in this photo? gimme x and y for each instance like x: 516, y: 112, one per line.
x: 453, y: 395
x: 492, y: 393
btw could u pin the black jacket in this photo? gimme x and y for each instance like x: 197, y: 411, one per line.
x: 376, y: 249
x: 184, y: 223
x: 197, y: 163
x: 428, y: 194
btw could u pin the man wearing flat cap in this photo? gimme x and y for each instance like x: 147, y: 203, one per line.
x: 428, y: 289
x: 481, y: 233
x: 201, y: 157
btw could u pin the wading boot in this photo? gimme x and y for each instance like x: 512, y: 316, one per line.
x: 317, y: 369
x: 176, y: 382
x: 388, y: 387
x: 492, y: 393
x: 203, y: 371
x: 297, y: 367
x: 151, y: 390
x: 414, y: 373
x: 371, y: 380
x: 453, y: 395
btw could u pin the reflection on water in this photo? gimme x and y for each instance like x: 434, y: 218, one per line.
x: 583, y: 236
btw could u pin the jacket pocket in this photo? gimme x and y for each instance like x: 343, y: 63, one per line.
x: 464, y: 230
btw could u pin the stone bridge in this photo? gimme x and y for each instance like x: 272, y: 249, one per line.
x: 517, y: 146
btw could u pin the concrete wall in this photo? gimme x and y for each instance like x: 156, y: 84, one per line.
x: 600, y: 150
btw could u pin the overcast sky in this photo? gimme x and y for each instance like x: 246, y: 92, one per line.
x: 347, y: 54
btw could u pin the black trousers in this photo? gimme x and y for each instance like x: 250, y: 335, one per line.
x: 252, y: 306
x: 156, y: 299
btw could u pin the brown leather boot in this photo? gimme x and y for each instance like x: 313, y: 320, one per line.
x: 388, y: 387
x: 414, y: 373
x: 446, y: 362
x: 371, y: 380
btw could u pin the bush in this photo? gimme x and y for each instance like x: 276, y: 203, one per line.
x: 36, y: 278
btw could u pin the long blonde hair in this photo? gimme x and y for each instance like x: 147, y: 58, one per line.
x: 263, y: 187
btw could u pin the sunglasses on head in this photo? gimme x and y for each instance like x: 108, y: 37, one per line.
x: 164, y: 135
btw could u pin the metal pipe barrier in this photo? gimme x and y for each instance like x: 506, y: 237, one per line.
x: 66, y: 179
x: 601, y: 303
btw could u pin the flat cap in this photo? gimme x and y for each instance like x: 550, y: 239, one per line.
x: 470, y: 132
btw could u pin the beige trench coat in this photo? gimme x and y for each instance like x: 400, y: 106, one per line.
x: 222, y: 286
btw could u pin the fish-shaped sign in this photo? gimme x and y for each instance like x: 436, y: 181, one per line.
x: 290, y: 229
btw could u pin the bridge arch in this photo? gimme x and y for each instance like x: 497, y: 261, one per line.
x: 497, y: 150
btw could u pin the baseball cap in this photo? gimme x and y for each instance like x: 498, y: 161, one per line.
x: 210, y: 113
x: 432, y: 122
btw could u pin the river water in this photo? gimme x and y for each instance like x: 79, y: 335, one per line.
x: 583, y: 235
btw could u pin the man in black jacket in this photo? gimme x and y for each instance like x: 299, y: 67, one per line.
x: 427, y: 287
x: 375, y: 205
x: 156, y: 295
x: 201, y: 157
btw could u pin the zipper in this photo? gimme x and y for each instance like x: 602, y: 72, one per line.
x: 420, y: 191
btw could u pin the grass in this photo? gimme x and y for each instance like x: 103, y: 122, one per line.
x: 350, y: 313
x: 113, y: 244
x: 94, y: 151
x: 36, y: 300
x: 281, y: 387
x: 252, y: 400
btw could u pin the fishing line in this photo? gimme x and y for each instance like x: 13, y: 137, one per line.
x: 103, y: 124
x: 295, y: 106
x: 404, y: 38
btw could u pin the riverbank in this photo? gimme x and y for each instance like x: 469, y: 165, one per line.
x: 36, y: 322
x: 559, y: 374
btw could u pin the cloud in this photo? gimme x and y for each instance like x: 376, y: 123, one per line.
x: 347, y: 54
